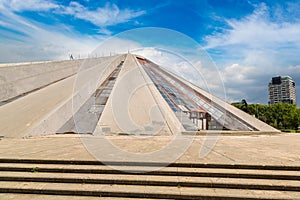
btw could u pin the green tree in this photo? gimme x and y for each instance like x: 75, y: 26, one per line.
x: 295, y: 123
x: 280, y: 115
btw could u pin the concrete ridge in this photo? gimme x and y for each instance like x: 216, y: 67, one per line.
x: 46, y: 61
x: 158, y: 173
x: 150, y: 164
x: 20, y: 196
x: 141, y: 191
x: 132, y: 179
x: 229, y: 133
x: 179, y: 173
x: 27, y: 63
x: 31, y: 91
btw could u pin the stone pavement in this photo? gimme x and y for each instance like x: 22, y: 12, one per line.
x: 279, y: 149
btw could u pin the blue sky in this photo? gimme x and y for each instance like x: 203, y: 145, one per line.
x: 249, y: 40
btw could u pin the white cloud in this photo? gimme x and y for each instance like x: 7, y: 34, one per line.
x: 32, y: 5
x: 115, y: 45
x: 257, y: 47
x: 237, y: 73
x: 200, y: 72
x: 238, y: 81
x: 28, y: 40
x: 257, y: 31
x: 169, y: 61
x: 33, y: 41
x: 108, y: 15
x: 261, y: 39
x: 251, y: 83
x: 43, y: 43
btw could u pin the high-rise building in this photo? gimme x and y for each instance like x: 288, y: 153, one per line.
x: 282, y: 89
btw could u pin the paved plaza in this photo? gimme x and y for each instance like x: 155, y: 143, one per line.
x: 277, y: 149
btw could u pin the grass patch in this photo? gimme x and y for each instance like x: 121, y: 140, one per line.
x: 35, y: 169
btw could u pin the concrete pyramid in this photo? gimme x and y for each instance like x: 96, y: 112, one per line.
x: 123, y: 94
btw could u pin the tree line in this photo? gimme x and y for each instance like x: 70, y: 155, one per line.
x: 280, y: 115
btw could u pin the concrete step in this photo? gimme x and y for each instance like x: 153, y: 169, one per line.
x: 155, y: 164
x: 167, y: 171
x: 137, y: 191
x: 134, y: 179
x: 12, y: 196
x: 65, y: 179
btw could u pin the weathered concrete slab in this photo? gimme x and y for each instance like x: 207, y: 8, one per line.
x: 80, y: 102
x: 18, y: 79
x: 20, y: 116
x: 46, y: 110
x: 6, y: 196
x: 136, y: 107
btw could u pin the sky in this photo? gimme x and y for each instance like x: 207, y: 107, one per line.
x: 249, y: 41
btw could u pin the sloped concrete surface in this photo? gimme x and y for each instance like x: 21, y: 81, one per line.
x: 134, y: 101
x: 44, y: 111
x: 18, y: 79
x: 20, y: 116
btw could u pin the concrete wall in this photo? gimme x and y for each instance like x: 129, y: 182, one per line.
x: 18, y: 79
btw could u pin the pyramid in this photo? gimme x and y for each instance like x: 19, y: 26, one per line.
x: 122, y: 94
x: 140, y: 97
